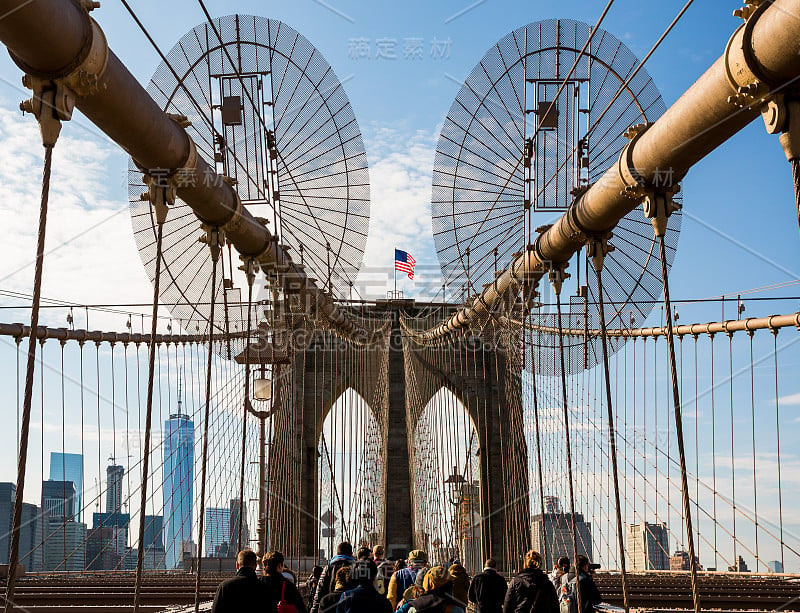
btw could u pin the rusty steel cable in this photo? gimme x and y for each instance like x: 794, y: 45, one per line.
x: 213, y: 236
x: 612, y: 437
x: 570, y: 478
x: 148, y: 420
x: 27, y: 400
x: 687, y: 508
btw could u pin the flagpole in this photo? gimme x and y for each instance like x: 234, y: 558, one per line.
x: 395, y: 273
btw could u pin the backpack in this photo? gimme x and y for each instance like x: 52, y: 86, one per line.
x: 283, y: 606
x: 568, y: 596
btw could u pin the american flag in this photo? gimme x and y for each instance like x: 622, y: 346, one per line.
x: 404, y: 262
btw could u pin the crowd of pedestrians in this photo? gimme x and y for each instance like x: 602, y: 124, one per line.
x: 369, y: 583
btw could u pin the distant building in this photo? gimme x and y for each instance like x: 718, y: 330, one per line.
x: 110, y: 534
x: 648, y: 546
x: 739, y: 567
x: 58, y: 499
x: 679, y: 561
x: 30, y: 535
x: 556, y: 528
x: 217, y: 532
x: 69, y: 467
x: 775, y: 566
x: 65, y: 546
x: 178, y: 470
x: 234, y: 544
x: 114, y: 474
x: 153, y: 542
x: 552, y: 504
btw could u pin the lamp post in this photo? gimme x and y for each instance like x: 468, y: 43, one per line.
x: 262, y: 391
x: 455, y: 484
x: 366, y: 519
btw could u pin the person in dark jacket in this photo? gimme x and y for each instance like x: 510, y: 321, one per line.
x: 280, y: 588
x: 589, y: 593
x: 245, y: 592
x: 313, y: 580
x: 531, y: 591
x: 342, y: 583
x: 343, y: 557
x: 363, y: 598
x: 488, y: 589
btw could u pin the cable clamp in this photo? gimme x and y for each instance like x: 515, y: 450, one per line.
x: 214, y: 237
x: 658, y: 206
x: 597, y: 248
x: 250, y: 268
x: 557, y: 274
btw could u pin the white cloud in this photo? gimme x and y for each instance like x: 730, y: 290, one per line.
x: 90, y: 253
x: 791, y: 399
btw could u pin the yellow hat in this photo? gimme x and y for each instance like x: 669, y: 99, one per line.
x: 436, y: 577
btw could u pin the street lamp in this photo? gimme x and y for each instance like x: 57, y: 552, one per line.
x: 262, y: 386
x: 366, y: 518
x: 455, y: 484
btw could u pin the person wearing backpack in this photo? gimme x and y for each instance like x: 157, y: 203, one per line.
x: 531, y: 591
x: 284, y: 594
x: 341, y: 584
x: 561, y: 569
x: 437, y: 597
x: 363, y: 598
x: 589, y: 594
x: 405, y: 578
x: 343, y: 557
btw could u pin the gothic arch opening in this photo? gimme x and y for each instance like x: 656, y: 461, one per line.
x: 446, y: 476
x: 350, y: 475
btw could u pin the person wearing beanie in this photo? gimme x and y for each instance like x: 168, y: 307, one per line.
x: 363, y: 598
x: 438, y: 595
x: 461, y: 582
x: 531, y: 591
x: 405, y: 578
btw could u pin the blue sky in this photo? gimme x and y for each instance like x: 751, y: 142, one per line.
x: 740, y: 230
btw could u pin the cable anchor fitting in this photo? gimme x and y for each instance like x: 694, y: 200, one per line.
x: 557, y: 274
x: 54, y: 94
x: 250, y: 268
x: 214, y: 237
x: 658, y: 206
x: 597, y: 248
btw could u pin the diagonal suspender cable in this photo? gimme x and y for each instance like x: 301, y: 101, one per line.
x: 214, y: 240
x: 612, y: 437
x: 676, y: 401
x: 28, y: 393
x: 160, y: 219
x: 557, y: 286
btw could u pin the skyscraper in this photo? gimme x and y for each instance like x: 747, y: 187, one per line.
x: 58, y: 499
x: 64, y: 538
x: 69, y: 467
x: 556, y: 527
x: 178, y: 470
x: 648, y: 546
x: 114, y: 474
x: 217, y: 532
x: 30, y: 534
x: 153, y: 542
x: 235, y: 544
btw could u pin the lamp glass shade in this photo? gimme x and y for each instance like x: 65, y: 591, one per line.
x: 262, y: 389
